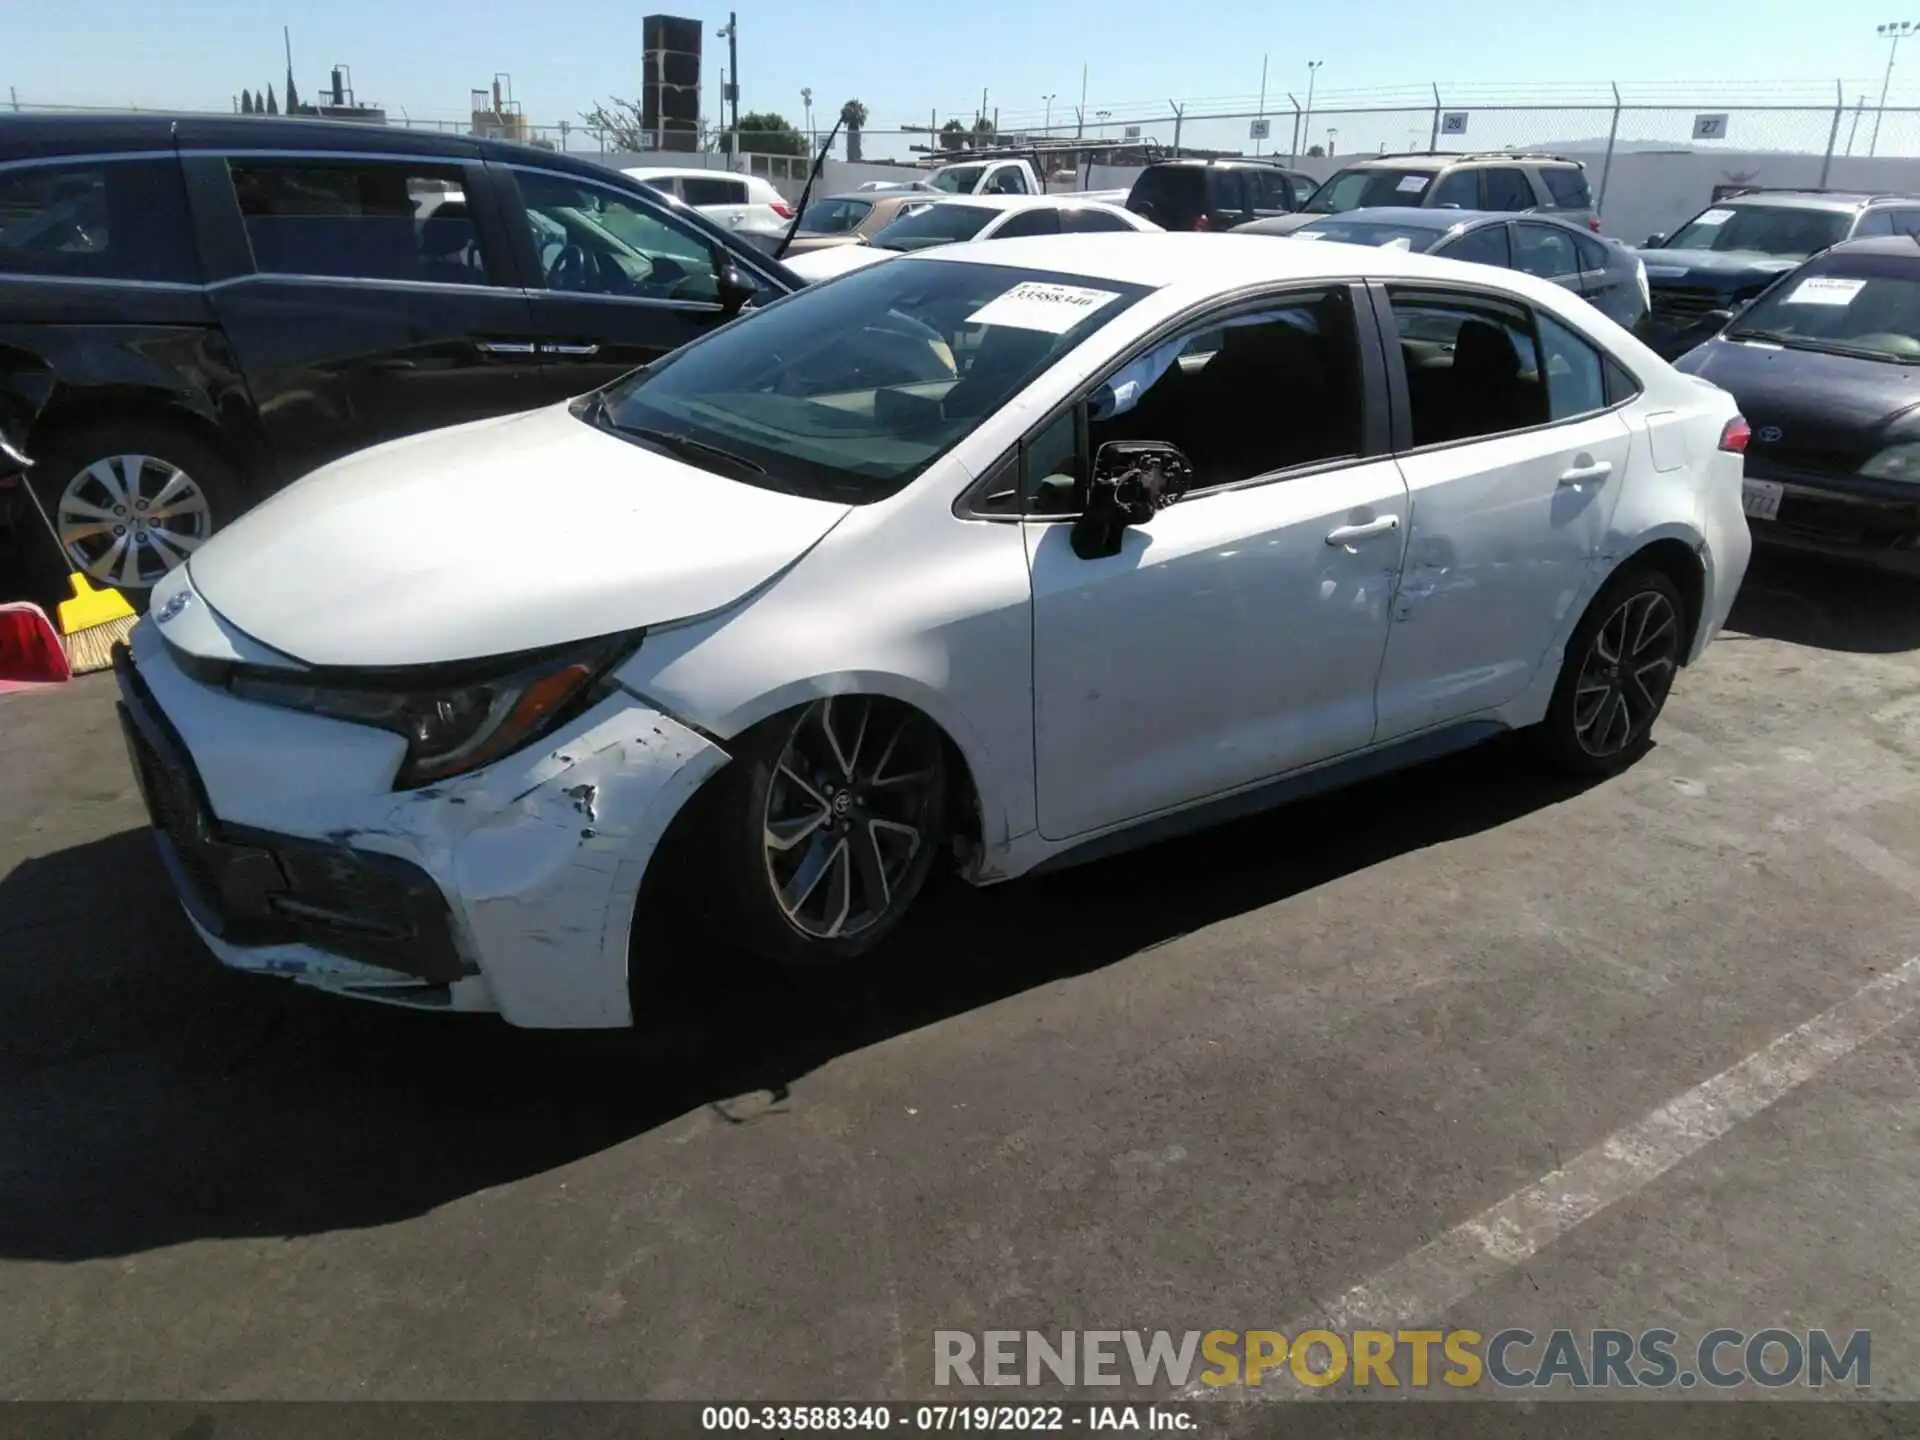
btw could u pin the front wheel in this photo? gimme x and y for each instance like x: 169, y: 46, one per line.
x: 822, y: 830
x: 1618, y: 669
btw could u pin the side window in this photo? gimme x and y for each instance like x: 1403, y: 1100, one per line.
x: 1906, y: 222
x: 1507, y: 189
x: 1567, y: 186
x: 1007, y: 180
x: 1227, y: 191
x: 125, y: 220
x: 1458, y: 188
x: 1041, y: 220
x: 1576, y: 377
x: 363, y: 220
x: 1874, y: 222
x: 1544, y: 251
x: 1593, y: 255
x: 1620, y: 385
x: 1258, y: 392
x: 596, y: 241
x: 1051, y: 469
x: 1271, y: 189
x: 1083, y: 222
x: 1485, y: 246
x: 712, y: 190
x: 1472, y: 367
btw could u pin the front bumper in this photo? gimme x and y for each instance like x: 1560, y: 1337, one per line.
x: 511, y: 889
x: 1842, y: 516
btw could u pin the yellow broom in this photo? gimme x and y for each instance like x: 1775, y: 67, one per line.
x: 93, y: 621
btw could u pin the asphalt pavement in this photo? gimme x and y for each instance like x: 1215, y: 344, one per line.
x: 1282, y: 1070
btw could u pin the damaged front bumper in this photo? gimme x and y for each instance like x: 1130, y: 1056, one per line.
x: 511, y: 889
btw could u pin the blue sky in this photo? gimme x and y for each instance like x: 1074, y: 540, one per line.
x: 423, y: 56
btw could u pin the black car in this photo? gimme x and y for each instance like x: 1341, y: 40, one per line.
x: 1215, y: 194
x: 203, y: 309
x: 1826, y: 367
x: 1738, y: 245
x: 1604, y: 272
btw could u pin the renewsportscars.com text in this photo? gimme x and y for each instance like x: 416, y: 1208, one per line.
x: 1512, y: 1359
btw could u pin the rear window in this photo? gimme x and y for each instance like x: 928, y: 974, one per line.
x: 121, y: 220
x: 365, y: 221
x: 944, y: 224
x: 834, y: 217
x: 1568, y: 188
x: 701, y: 190
x: 1352, y: 189
x: 1360, y: 232
x: 1169, y: 195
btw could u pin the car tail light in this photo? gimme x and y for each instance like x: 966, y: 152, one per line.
x: 782, y: 209
x: 1593, y: 223
x: 1204, y: 222
x: 1736, y: 434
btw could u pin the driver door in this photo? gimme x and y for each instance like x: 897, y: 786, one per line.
x: 614, y: 281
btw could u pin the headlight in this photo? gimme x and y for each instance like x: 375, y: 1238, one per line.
x: 1896, y: 462
x: 455, y: 719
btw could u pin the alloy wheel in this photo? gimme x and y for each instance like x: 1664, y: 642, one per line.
x: 127, y: 520
x: 1625, y: 675
x: 851, y: 806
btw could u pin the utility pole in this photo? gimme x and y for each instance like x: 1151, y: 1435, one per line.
x: 1263, y: 98
x: 1853, y: 130
x: 1313, y: 66
x: 1893, y: 34
x: 806, y: 100
x: 730, y: 88
x: 1048, y: 127
x: 1080, y: 126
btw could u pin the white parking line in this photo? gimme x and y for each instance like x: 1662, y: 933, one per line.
x: 1447, y: 1270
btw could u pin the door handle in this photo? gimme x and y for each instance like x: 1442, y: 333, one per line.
x: 1595, y: 470
x: 504, y: 347
x: 557, y: 347
x: 1349, y: 535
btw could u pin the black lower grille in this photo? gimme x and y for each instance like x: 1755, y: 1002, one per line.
x: 1686, y: 302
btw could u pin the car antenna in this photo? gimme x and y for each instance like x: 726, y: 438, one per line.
x: 800, y: 209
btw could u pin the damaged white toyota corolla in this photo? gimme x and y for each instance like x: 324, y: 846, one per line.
x: 890, y: 574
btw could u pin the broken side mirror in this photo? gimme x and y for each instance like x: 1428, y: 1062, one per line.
x: 733, y: 285
x: 1133, y: 480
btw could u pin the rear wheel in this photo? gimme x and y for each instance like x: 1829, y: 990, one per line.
x: 1618, y: 670
x: 823, y: 829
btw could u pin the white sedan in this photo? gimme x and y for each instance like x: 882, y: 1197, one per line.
x: 999, y: 557
x: 968, y: 218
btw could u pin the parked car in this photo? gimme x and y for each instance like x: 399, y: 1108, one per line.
x: 1144, y: 530
x: 967, y: 218
x: 1602, y: 271
x: 1443, y: 180
x: 745, y: 203
x: 835, y: 220
x: 211, y: 307
x: 1738, y: 246
x: 1216, y: 194
x: 1826, y: 367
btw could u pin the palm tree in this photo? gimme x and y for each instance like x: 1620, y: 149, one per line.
x: 853, y: 116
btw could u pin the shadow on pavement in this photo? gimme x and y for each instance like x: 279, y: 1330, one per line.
x: 1827, y: 605
x: 148, y: 1097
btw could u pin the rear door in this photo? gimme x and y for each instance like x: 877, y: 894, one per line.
x: 1270, y: 194
x: 1548, y: 251
x: 1227, y: 198
x: 1506, y: 187
x: 365, y: 297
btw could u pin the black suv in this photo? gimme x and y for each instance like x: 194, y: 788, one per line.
x: 200, y: 310
x: 1740, y: 244
x: 1216, y: 194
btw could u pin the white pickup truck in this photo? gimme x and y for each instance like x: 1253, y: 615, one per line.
x: 988, y: 176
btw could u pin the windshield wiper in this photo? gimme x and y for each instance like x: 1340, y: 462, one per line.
x: 682, y: 445
x: 1772, y: 337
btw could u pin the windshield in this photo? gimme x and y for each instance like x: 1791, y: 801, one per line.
x: 833, y: 217
x: 942, y: 224
x: 847, y: 391
x: 1785, y: 232
x: 1863, y: 306
x: 959, y: 179
x: 1361, y: 232
x: 1351, y: 189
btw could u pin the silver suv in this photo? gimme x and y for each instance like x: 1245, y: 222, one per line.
x: 1448, y: 180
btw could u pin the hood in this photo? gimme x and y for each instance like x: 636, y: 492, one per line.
x: 838, y: 260
x: 1283, y: 224
x: 1837, y: 406
x: 1711, y: 266
x: 499, y: 536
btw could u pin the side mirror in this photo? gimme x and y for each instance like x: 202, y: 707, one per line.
x: 734, y: 287
x: 1656, y: 240
x: 1133, y: 480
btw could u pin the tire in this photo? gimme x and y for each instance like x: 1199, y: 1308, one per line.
x: 1616, y: 676
x: 819, y: 835
x: 80, y: 472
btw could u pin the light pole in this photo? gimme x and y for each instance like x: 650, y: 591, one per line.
x: 1331, y: 132
x: 1893, y: 32
x: 1103, y: 116
x: 1048, y: 127
x: 730, y: 82
x: 806, y: 101
x: 1263, y: 98
x: 1306, y: 126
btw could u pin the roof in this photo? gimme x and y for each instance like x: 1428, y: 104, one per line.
x: 1061, y: 201
x: 1796, y: 200
x: 1432, y: 218
x: 1905, y: 246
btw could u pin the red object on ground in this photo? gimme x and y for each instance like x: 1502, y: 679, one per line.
x: 29, y: 645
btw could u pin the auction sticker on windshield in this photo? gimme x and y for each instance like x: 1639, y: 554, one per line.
x: 1714, y: 217
x: 1412, y: 184
x: 1039, y: 305
x: 1824, y: 290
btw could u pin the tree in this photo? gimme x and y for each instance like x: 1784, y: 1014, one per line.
x: 293, y: 95
x: 765, y: 133
x: 853, y: 118
x: 953, y: 135
x: 982, y: 133
x: 618, y: 123
x: 246, y: 102
x: 1316, y: 150
x: 273, y: 106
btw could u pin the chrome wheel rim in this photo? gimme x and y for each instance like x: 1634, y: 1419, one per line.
x: 127, y: 520
x: 849, y: 811
x: 1625, y: 675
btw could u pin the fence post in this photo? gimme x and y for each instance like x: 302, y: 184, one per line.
x: 1293, y: 154
x: 1606, y: 165
x: 1179, y: 119
x: 1833, y: 135
x: 1433, y: 139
